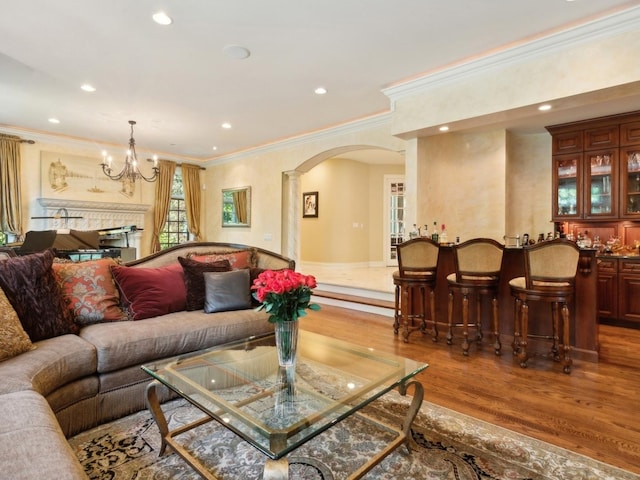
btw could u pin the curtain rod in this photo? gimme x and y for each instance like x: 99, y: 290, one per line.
x: 177, y: 164
x: 21, y: 140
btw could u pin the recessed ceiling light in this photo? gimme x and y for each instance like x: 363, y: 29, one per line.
x: 215, y: 148
x: 162, y: 18
x: 88, y: 87
x: 226, y: 125
x: 320, y: 91
x: 54, y: 120
x: 236, y: 51
x: 444, y: 128
x: 544, y: 108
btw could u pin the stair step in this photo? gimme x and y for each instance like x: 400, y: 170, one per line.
x: 375, y: 302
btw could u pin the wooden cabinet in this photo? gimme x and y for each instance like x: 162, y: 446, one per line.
x: 619, y: 289
x: 596, y: 169
x: 607, y: 287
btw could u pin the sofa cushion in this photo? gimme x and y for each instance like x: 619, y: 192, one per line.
x: 194, y: 279
x: 246, y: 258
x: 90, y: 290
x: 13, y: 339
x: 124, y: 344
x: 227, y: 291
x: 32, y: 290
x: 150, y: 292
x: 55, y: 362
x: 31, y: 441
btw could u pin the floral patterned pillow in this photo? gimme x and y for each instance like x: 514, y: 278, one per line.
x: 13, y: 339
x: 90, y: 291
x: 237, y: 258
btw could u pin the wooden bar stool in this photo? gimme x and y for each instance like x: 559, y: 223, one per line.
x: 550, y: 272
x: 417, y: 263
x: 477, y: 264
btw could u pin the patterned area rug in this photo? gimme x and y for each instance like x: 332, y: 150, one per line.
x: 450, y: 446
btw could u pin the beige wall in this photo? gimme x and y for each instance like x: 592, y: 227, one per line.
x: 349, y: 228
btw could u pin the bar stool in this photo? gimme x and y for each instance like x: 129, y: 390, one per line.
x: 477, y: 264
x: 550, y: 272
x: 417, y: 263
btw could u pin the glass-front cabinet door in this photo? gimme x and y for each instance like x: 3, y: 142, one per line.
x: 630, y: 180
x: 601, y: 186
x: 567, y: 186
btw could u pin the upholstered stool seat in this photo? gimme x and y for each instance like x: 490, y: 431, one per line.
x: 477, y: 264
x: 417, y: 263
x: 550, y: 270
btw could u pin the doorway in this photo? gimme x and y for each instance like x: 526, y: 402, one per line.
x: 394, y: 214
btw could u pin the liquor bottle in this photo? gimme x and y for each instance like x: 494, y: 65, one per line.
x: 443, y: 235
x: 434, y: 234
x: 425, y: 230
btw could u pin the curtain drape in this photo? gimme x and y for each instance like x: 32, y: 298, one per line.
x: 192, y: 198
x: 10, y: 204
x: 162, y: 200
x: 240, y: 205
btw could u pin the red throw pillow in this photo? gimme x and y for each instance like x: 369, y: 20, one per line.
x: 150, y: 292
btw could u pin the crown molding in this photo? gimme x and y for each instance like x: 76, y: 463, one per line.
x: 375, y: 121
x: 90, y: 205
x: 611, y: 25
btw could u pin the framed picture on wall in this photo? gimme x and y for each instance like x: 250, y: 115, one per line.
x: 310, y: 205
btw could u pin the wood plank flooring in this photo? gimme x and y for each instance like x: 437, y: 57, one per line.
x: 593, y: 411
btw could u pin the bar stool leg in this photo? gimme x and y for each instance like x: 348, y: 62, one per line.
x: 465, y: 322
x: 555, y: 318
x: 450, y: 319
x: 496, y: 333
x: 566, y: 343
x: 397, y: 313
x: 432, y: 306
x: 405, y: 307
x: 478, y: 317
x: 524, y: 326
x: 516, y: 326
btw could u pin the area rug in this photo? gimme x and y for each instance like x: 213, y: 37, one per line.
x: 450, y: 446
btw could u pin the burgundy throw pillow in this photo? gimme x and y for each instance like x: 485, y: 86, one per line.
x: 150, y: 292
x: 31, y: 287
x: 194, y: 279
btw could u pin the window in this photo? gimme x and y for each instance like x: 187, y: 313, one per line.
x: 175, y: 230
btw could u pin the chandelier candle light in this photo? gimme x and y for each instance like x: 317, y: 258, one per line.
x: 285, y: 295
x: 130, y: 172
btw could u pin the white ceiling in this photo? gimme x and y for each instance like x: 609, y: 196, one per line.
x: 179, y: 86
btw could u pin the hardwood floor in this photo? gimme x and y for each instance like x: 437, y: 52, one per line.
x: 593, y: 411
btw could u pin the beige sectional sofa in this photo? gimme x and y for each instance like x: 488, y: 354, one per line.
x: 73, y: 382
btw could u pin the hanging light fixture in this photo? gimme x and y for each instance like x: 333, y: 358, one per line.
x: 130, y: 172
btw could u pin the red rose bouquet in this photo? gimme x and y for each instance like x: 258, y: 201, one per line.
x: 285, y: 294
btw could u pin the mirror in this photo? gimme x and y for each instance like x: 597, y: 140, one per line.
x: 236, y: 207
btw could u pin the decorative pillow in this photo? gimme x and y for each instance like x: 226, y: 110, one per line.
x: 150, y: 292
x: 237, y: 258
x: 13, y: 339
x: 31, y: 287
x: 90, y: 291
x: 194, y: 279
x: 227, y: 291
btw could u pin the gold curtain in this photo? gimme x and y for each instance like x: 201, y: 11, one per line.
x: 162, y: 200
x: 10, y: 204
x: 240, y: 205
x: 192, y: 198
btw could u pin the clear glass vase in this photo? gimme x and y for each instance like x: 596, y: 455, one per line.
x: 286, y: 342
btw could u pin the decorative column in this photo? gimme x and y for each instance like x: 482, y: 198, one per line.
x: 292, y: 213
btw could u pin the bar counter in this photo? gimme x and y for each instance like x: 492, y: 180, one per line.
x: 584, y: 309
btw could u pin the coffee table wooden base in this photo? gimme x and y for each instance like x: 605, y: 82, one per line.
x: 279, y: 469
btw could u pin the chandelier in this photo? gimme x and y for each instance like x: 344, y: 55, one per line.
x: 130, y: 172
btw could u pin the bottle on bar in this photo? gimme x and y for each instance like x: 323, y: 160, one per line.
x: 434, y: 234
x: 443, y: 235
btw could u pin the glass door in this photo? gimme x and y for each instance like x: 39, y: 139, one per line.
x: 630, y: 182
x: 394, y: 216
x: 601, y: 192
x: 568, y: 186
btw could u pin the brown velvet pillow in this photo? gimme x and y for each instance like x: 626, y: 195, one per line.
x: 150, y: 292
x: 31, y: 287
x: 194, y: 279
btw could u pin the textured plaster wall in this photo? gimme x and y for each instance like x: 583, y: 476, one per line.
x: 462, y: 183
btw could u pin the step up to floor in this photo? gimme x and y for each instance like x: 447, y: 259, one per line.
x: 371, y: 301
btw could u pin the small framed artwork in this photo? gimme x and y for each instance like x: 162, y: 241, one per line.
x: 310, y: 205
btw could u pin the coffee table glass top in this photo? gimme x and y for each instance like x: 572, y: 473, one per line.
x: 277, y: 409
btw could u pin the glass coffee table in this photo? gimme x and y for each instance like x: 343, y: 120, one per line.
x: 277, y: 409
